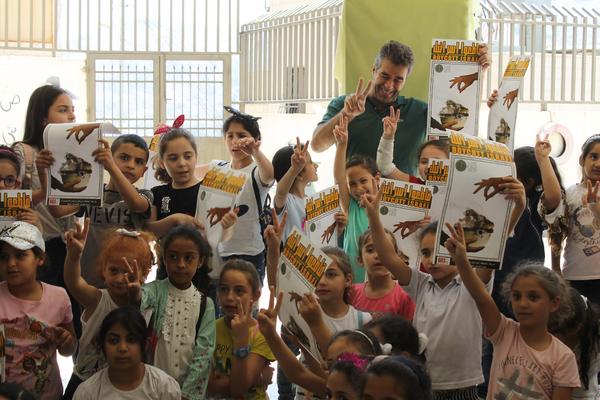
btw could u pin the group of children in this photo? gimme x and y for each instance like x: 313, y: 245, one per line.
x: 385, y: 330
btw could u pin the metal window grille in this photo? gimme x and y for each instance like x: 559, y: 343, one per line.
x: 137, y: 94
x: 195, y: 88
x: 124, y: 93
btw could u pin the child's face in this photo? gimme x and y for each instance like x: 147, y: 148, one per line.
x: 122, y: 350
x: 116, y: 275
x: 236, y: 133
x: 309, y: 172
x: 530, y: 302
x: 428, y: 153
x: 235, y: 288
x: 19, y: 267
x: 8, y: 175
x: 131, y: 161
x: 360, y: 181
x: 182, y: 260
x: 382, y: 388
x: 332, y: 284
x: 591, y: 163
x: 179, y: 159
x: 441, y: 273
x: 61, y: 111
x: 370, y: 260
x: 339, y: 388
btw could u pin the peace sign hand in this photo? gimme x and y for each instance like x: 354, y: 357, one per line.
x: 340, y: 131
x: 267, y: 319
x: 241, y: 323
x: 543, y: 148
x: 370, y: 202
x: 591, y: 199
x: 390, y: 123
x: 300, y: 156
x: 354, y: 104
x: 134, y: 280
x: 455, y: 244
x: 76, y: 237
x: 274, y: 233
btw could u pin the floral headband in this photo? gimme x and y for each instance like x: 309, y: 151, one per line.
x: 164, y: 128
x: 360, y: 362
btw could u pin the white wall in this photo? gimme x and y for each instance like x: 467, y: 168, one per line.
x: 21, y: 74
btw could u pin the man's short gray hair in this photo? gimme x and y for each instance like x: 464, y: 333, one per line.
x: 397, y: 53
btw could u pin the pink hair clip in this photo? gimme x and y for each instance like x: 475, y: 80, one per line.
x: 163, y: 128
x: 357, y: 360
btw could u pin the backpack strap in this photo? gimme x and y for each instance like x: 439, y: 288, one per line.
x: 259, y: 205
x: 360, y: 319
x: 201, y: 314
x: 28, y: 159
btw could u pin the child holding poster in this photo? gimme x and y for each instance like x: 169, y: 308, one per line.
x: 242, y: 136
x: 293, y: 170
x: 10, y: 165
x: 443, y: 306
x: 436, y: 148
x: 356, y: 177
x: 123, y: 206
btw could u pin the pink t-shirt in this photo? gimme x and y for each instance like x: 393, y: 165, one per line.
x: 396, y: 301
x: 521, y: 372
x: 30, y: 355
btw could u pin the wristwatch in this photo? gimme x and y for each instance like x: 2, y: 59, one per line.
x: 242, y: 352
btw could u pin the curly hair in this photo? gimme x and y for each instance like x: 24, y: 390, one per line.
x: 397, y: 53
x: 554, y: 285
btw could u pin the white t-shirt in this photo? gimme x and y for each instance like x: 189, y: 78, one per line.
x: 156, y: 385
x: 450, y: 319
x: 175, y: 347
x: 90, y: 359
x: 296, y: 214
x: 246, y: 238
x: 582, y: 246
x: 353, y: 319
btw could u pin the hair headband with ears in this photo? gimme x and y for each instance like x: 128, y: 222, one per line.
x: 240, y: 114
x: 164, y: 128
x: 386, y: 348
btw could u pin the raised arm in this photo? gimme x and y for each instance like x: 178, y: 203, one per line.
x: 383, y: 245
x: 85, y: 294
x: 339, y: 165
x: 294, y: 370
x: 550, y: 183
x: 263, y: 164
x: 485, y: 304
x: 385, y: 151
x: 162, y: 227
x: 273, y: 234
x: 285, y: 183
x: 310, y: 310
x: 354, y: 105
x: 513, y: 189
x: 135, y: 201
x: 245, y: 372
